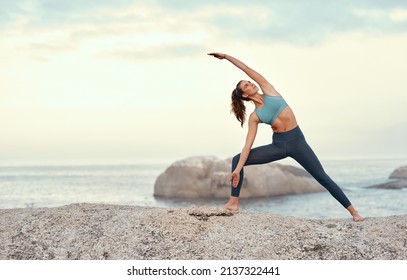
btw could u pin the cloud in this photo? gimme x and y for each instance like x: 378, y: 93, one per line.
x: 160, y: 29
x: 144, y: 30
x: 311, y: 22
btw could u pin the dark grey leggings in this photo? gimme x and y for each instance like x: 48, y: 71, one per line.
x: 291, y: 144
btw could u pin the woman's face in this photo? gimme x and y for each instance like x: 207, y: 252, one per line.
x: 248, y: 88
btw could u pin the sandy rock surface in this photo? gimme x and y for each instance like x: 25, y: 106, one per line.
x: 93, y: 231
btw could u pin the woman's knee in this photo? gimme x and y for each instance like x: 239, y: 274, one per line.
x: 235, y: 160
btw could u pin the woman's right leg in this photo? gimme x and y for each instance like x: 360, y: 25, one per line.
x: 258, y: 155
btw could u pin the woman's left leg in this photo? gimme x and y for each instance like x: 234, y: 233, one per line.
x: 304, y: 155
x: 299, y: 150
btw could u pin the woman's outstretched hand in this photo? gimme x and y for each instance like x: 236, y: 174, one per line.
x: 218, y: 55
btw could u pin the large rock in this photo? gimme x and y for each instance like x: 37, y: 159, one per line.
x: 398, y: 180
x: 210, y: 177
x: 93, y: 232
x: 399, y: 173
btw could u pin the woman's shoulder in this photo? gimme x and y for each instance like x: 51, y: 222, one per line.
x: 271, y: 92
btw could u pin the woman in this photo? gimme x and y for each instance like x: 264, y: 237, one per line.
x: 288, y: 140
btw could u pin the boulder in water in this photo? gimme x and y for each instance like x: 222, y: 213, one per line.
x: 398, y: 180
x: 208, y: 176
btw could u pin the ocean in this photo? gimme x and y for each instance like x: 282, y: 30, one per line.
x: 33, y: 186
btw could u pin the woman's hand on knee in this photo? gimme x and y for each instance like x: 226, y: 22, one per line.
x: 235, y: 177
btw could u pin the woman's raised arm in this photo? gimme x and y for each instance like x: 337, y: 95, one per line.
x: 265, y: 86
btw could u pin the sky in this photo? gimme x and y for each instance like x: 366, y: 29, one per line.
x: 131, y: 80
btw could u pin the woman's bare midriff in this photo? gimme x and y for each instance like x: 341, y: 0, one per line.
x: 285, y: 121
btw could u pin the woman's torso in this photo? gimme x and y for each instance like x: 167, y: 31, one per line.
x: 285, y: 121
x: 276, y: 112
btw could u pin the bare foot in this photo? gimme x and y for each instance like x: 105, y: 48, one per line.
x: 357, y: 217
x: 355, y: 214
x: 232, y: 205
x: 232, y: 208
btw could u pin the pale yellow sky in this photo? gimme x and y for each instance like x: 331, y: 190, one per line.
x: 132, y: 81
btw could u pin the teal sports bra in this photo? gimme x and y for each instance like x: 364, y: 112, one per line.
x: 272, y: 107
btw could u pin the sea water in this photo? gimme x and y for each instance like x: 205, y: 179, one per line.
x: 53, y: 185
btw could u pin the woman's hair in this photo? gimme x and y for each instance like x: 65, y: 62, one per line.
x: 238, y: 107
